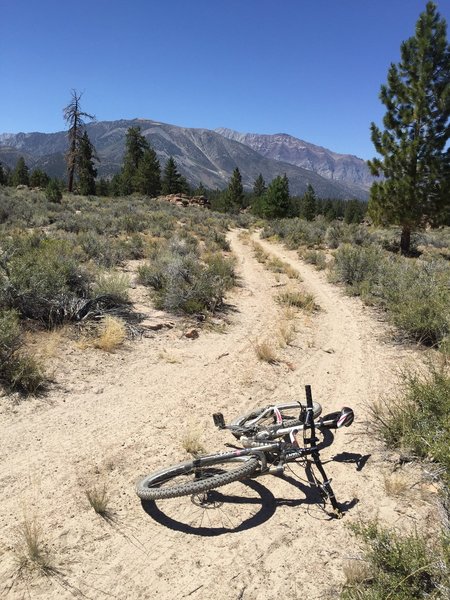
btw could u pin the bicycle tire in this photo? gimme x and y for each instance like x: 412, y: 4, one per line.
x: 149, y: 488
x: 291, y: 421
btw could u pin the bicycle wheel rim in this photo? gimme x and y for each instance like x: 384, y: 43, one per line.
x: 189, y: 478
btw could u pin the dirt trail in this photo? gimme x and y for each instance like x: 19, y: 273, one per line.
x: 112, y: 418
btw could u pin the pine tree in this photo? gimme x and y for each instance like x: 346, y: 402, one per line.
x: 3, y: 177
x: 259, y: 186
x: 277, y: 199
x: 20, y: 174
x: 308, y: 204
x: 39, y: 178
x: 234, y: 194
x: 74, y: 117
x: 415, y: 161
x: 53, y: 191
x: 85, y: 165
x: 135, y: 146
x: 200, y: 190
x: 103, y: 187
x: 172, y: 181
x: 354, y: 211
x: 147, y: 179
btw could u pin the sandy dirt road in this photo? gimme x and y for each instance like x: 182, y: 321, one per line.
x: 112, y: 418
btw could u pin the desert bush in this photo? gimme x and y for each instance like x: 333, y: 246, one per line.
x: 316, y: 258
x: 103, y: 251
x: 354, y: 265
x: 399, y: 567
x: 183, y: 282
x: 18, y: 370
x: 417, y: 297
x: 112, y: 284
x: 418, y: 419
x: 42, y: 280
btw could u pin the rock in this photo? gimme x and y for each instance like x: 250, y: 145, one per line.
x: 192, y: 334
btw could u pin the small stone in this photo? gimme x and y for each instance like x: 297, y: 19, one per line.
x: 192, y: 334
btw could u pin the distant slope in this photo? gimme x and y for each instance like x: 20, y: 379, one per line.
x: 283, y: 147
x: 202, y: 155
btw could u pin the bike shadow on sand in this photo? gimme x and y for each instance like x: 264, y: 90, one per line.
x: 262, y: 505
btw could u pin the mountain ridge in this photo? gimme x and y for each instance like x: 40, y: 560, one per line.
x: 284, y: 147
x: 202, y: 155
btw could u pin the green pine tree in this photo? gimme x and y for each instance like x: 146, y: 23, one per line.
x: 234, y: 194
x: 53, y: 191
x: 200, y: 190
x: 85, y: 166
x: 3, y: 175
x: 354, y: 211
x: 259, y: 186
x: 147, y: 179
x: 172, y: 181
x: 135, y: 147
x: 415, y: 159
x: 277, y: 199
x: 20, y: 174
x: 39, y: 178
x: 103, y: 187
x: 308, y: 204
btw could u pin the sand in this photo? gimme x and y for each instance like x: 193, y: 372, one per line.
x: 111, y: 418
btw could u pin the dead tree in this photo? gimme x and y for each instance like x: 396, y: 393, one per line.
x: 74, y: 117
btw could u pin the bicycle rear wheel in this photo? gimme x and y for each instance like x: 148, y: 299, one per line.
x: 193, y: 477
x: 290, y: 413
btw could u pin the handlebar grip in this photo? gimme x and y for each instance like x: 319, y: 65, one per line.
x: 309, y: 420
x: 309, y: 402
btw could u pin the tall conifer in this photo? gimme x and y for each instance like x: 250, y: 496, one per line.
x: 415, y: 159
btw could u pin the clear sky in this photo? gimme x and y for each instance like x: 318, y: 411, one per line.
x: 310, y: 68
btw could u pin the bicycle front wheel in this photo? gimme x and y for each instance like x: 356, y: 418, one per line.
x: 194, y: 477
x: 263, y: 417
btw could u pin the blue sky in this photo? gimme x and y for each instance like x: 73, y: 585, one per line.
x: 311, y: 68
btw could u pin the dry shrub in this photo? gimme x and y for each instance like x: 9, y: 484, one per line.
x: 191, y: 442
x: 298, y: 299
x: 99, y: 498
x: 266, y: 352
x: 356, y: 571
x: 286, y: 333
x: 169, y: 357
x: 112, y: 333
x: 396, y: 484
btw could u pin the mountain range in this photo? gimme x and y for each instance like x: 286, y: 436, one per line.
x: 203, y: 155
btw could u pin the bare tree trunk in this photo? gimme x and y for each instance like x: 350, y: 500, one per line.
x: 405, y: 240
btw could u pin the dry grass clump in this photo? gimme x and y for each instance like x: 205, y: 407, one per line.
x: 273, y: 263
x: 298, y: 299
x: 286, y: 333
x: 111, y: 283
x: 266, y: 352
x: 356, y: 571
x: 111, y: 334
x: 396, y: 484
x: 191, y: 443
x: 31, y: 551
x: 99, y: 498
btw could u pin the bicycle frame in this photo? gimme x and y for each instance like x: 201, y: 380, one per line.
x: 289, y: 451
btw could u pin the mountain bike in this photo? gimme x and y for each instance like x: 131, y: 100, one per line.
x: 271, y: 437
